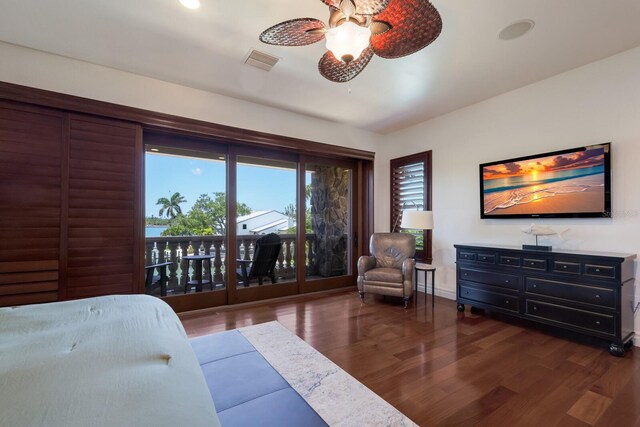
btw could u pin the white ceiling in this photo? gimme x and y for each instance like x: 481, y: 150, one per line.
x: 205, y: 49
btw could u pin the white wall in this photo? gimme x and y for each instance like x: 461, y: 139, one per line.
x: 42, y: 70
x: 596, y: 103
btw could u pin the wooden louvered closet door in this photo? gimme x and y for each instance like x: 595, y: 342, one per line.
x: 31, y: 180
x: 104, y: 240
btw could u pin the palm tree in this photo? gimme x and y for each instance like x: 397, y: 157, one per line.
x: 171, y: 206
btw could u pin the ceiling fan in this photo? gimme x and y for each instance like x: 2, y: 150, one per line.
x: 357, y: 29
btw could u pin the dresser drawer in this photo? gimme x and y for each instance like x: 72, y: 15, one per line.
x: 467, y: 256
x: 510, y: 261
x: 486, y: 258
x: 570, y: 316
x: 566, y: 267
x: 492, y: 298
x: 591, y: 295
x: 502, y: 280
x: 606, y: 271
x: 535, y: 264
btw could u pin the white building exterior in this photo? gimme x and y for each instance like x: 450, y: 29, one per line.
x: 263, y: 222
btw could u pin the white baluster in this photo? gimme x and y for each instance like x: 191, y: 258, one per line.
x: 223, y: 253
x: 167, y: 253
x: 154, y: 253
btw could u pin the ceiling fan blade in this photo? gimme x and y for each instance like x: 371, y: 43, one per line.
x: 337, y: 71
x: 363, y: 7
x: 296, y: 32
x: 414, y: 25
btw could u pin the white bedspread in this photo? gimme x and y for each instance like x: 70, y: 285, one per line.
x: 109, y: 361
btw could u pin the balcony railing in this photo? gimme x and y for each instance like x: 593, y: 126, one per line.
x: 173, y: 249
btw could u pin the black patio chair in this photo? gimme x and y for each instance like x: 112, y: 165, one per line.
x: 152, y: 281
x: 265, y: 255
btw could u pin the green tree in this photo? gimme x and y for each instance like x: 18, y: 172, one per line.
x: 207, y: 217
x: 155, y: 221
x: 292, y: 212
x: 171, y: 206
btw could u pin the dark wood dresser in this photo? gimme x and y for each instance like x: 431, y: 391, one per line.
x: 587, y: 293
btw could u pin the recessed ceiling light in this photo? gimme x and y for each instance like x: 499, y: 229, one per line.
x: 191, y: 4
x: 517, y: 29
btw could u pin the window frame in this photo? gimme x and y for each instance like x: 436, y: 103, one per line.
x: 425, y: 158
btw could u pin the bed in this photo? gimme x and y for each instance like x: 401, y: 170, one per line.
x: 107, y: 361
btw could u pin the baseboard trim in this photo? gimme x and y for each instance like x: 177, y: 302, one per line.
x: 440, y: 292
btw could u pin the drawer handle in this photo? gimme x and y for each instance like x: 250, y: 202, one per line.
x: 597, y: 270
x: 506, y: 301
x: 508, y: 261
x: 465, y: 274
x: 564, y: 266
x: 484, y: 257
x: 466, y: 292
x: 535, y: 286
x: 597, y: 322
x: 507, y: 281
x: 597, y: 296
x: 535, y: 308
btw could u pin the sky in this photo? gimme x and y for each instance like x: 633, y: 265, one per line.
x: 261, y: 188
x: 580, y: 159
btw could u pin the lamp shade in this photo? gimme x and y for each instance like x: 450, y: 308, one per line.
x: 417, y: 220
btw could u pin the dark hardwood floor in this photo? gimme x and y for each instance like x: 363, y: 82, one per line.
x: 442, y: 368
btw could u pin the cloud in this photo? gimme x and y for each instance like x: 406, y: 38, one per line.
x: 197, y: 171
x: 581, y: 159
x: 513, y: 167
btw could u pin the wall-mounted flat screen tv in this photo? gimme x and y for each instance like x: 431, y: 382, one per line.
x: 570, y: 183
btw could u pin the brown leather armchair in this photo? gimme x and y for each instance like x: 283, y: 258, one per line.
x: 389, y: 271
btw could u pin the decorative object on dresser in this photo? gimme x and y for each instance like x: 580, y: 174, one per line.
x: 588, y: 294
x: 540, y: 230
x: 389, y: 269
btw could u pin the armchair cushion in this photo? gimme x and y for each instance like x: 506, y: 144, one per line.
x: 391, y: 249
x: 384, y: 274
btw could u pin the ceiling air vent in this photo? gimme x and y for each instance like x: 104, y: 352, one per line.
x: 261, y: 60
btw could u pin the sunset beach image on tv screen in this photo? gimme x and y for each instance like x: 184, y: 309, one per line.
x: 557, y: 184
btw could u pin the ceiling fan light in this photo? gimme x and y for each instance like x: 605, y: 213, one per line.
x: 347, y: 41
x: 190, y: 4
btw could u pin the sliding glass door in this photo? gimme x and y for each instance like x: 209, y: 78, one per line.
x: 266, y: 228
x: 185, y: 223
x: 331, y: 236
x: 230, y: 224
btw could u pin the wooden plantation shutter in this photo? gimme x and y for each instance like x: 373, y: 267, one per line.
x: 104, y: 208
x: 410, y: 190
x: 31, y: 161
